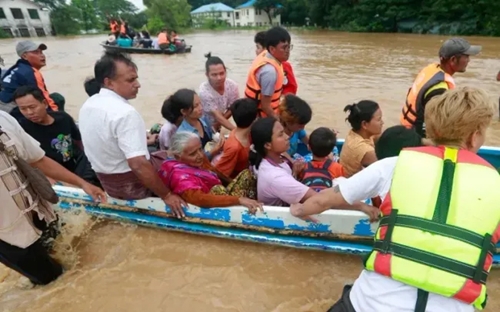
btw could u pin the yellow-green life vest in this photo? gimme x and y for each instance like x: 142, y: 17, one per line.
x: 440, y: 223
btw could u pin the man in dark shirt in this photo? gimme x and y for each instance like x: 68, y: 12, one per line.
x: 57, y: 132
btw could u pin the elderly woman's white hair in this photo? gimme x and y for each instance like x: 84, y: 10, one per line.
x: 179, y: 140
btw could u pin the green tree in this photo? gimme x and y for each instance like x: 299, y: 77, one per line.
x: 268, y: 6
x: 173, y: 14
x: 65, y: 20
x: 89, y: 18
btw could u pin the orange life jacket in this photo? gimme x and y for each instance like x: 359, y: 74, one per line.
x: 113, y: 26
x: 40, y: 83
x: 162, y: 38
x: 253, y: 89
x: 412, y: 115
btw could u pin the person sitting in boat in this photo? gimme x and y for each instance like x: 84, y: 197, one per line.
x: 26, y: 72
x: 146, y: 41
x: 27, y: 216
x: 164, y: 39
x: 427, y: 196
x: 124, y: 41
x: 57, y: 133
x: 358, y: 150
x: 217, y: 94
x: 394, y: 139
x: 290, y: 85
x: 294, y: 113
x: 276, y: 184
x: 111, y: 39
x: 187, y: 103
x: 191, y: 175
x: 234, y: 157
x: 173, y: 119
x: 319, y: 173
x: 91, y: 86
x: 114, y: 135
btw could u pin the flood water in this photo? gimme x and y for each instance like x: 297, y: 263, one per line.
x: 116, y: 267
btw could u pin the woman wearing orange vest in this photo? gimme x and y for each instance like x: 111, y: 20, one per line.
x: 113, y: 25
x: 428, y: 194
x: 434, y: 80
x: 265, y: 78
x: 163, y: 41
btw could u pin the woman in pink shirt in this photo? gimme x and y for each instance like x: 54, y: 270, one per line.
x: 276, y: 185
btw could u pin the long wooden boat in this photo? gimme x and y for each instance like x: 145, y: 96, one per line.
x: 114, y: 48
x: 340, y: 231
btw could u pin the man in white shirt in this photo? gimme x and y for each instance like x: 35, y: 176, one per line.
x: 114, y: 135
x: 457, y: 120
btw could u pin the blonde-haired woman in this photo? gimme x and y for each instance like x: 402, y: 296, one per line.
x: 439, y: 221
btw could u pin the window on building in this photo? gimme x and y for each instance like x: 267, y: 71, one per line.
x: 248, y: 12
x: 237, y: 15
x: 228, y: 14
x: 2, y: 14
x: 40, y: 32
x: 17, y: 13
x: 8, y: 31
x: 257, y: 12
x: 33, y: 14
x: 24, y: 32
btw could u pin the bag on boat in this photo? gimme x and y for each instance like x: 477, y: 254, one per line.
x: 317, y: 178
x: 35, y: 177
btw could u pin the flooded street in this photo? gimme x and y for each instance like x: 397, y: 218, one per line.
x: 115, y: 267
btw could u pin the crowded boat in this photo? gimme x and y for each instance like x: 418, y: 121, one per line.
x: 407, y: 182
x: 123, y: 37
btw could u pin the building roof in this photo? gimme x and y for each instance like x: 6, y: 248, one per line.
x: 213, y: 7
x: 251, y: 3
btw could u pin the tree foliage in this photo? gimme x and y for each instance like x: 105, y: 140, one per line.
x: 268, y: 6
x: 173, y: 14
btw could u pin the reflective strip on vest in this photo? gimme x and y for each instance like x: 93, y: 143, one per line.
x: 412, y: 114
x: 439, y: 226
x: 253, y: 89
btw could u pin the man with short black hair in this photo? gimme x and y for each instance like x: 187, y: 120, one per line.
x: 266, y: 78
x: 435, y: 79
x: 114, y: 135
x: 57, y: 132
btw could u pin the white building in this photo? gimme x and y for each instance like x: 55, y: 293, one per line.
x: 247, y: 15
x: 214, y: 11
x: 24, y: 18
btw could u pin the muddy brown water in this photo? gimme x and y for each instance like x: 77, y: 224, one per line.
x: 118, y: 267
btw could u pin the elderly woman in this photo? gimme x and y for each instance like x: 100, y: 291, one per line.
x: 190, y: 175
x: 439, y: 218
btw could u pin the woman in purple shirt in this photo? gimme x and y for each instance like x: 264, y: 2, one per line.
x: 276, y: 185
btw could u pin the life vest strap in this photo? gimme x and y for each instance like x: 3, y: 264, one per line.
x: 447, y: 230
x: 445, y: 187
x: 434, y: 261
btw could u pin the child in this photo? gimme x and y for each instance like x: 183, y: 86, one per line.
x: 294, y: 114
x: 321, y: 170
x: 234, y: 157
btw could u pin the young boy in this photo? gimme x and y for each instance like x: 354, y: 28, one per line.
x: 234, y: 157
x: 57, y: 132
x: 321, y: 170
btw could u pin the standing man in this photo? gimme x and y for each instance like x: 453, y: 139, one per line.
x: 266, y: 78
x: 25, y: 212
x: 114, y: 135
x: 289, y: 83
x: 26, y: 72
x: 435, y: 79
